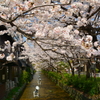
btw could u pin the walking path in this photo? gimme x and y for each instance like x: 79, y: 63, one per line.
x: 48, y: 90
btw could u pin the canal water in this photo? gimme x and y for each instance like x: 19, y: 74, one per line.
x: 47, y: 89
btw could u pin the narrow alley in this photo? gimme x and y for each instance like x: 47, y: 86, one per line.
x: 47, y: 89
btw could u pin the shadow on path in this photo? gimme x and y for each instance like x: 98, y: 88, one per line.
x: 48, y: 90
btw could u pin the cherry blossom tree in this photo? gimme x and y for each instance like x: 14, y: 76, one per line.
x: 58, y: 30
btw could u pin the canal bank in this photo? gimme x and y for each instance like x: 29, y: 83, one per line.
x: 48, y: 90
x: 74, y: 93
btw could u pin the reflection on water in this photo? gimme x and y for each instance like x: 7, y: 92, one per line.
x: 47, y: 89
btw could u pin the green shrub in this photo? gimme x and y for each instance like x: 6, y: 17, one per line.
x: 24, y: 77
x: 59, y: 77
x: 12, y: 93
x: 97, y: 70
x: 89, y: 86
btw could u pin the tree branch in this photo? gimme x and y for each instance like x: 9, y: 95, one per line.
x: 94, y: 13
x: 35, y: 8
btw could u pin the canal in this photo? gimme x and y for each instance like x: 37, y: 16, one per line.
x: 47, y: 89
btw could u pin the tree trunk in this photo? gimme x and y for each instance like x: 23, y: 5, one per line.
x: 73, y: 72
x: 88, y: 71
x: 79, y: 71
